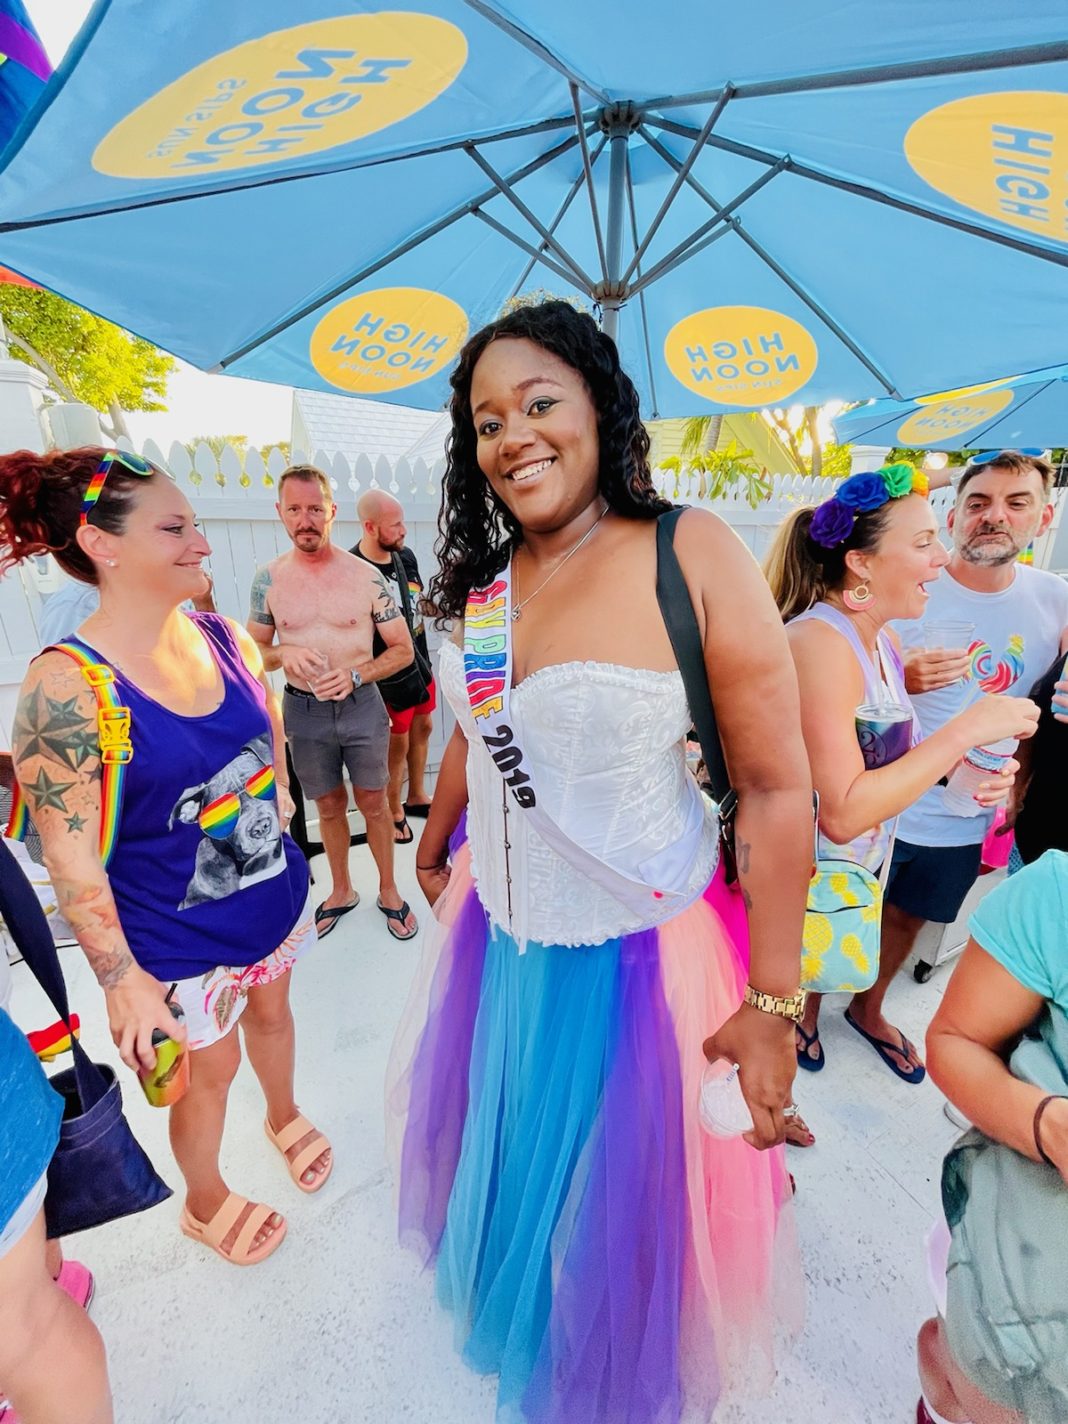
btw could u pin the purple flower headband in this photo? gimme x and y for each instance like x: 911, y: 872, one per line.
x: 833, y: 521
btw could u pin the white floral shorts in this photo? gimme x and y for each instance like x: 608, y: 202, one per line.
x: 213, y: 1002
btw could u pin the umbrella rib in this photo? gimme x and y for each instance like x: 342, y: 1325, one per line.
x: 974, y: 63
x: 694, y: 242
x: 528, y: 247
x: 504, y: 187
x: 326, y: 170
x: 463, y: 210
x: 680, y: 178
x: 561, y: 213
x: 535, y: 47
x: 641, y: 295
x: 580, y: 127
x: 814, y: 306
x: 849, y: 185
x: 1015, y: 409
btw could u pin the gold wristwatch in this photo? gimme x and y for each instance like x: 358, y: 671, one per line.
x: 790, y: 1006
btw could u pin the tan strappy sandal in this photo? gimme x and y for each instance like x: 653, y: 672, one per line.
x: 214, y: 1232
x: 286, y: 1137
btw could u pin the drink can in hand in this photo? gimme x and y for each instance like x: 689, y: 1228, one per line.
x: 168, y: 1081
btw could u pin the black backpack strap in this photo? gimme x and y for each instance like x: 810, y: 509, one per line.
x: 674, y: 599
x: 400, y: 573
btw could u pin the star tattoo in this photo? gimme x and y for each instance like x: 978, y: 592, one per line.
x: 46, y: 792
x: 76, y: 822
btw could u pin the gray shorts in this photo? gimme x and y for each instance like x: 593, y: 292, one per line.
x: 327, y: 739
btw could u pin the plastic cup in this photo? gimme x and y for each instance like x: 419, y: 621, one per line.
x: 884, y: 731
x: 945, y: 634
x: 723, y: 1109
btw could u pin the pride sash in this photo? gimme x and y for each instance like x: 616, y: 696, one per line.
x: 488, y: 675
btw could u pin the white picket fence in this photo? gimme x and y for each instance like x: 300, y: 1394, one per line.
x: 234, y: 496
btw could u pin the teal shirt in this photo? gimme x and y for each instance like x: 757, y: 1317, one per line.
x: 1023, y: 923
x: 30, y: 1113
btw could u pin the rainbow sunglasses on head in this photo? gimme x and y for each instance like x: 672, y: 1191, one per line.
x: 220, y: 816
x: 136, y: 464
x: 990, y: 455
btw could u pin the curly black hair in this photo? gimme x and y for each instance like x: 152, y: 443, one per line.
x: 477, y: 532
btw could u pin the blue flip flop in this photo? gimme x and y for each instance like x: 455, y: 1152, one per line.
x: 804, y: 1059
x: 884, y: 1048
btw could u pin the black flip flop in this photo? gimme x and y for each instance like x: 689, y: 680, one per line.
x: 417, y: 812
x: 398, y: 917
x: 887, y: 1050
x: 804, y: 1059
x: 402, y: 826
x: 329, y: 918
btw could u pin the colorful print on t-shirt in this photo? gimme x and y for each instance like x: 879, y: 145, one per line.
x: 998, y: 676
x: 237, y: 815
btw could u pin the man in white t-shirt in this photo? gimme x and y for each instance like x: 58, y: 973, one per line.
x: 1020, y: 616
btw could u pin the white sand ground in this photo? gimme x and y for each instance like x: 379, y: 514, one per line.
x: 341, y: 1325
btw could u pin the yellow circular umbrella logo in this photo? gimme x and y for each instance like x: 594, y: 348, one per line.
x: 741, y: 355
x: 286, y: 95
x: 385, y: 340
x: 1003, y: 155
x: 948, y: 419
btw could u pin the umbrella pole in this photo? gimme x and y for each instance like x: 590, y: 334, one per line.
x: 620, y: 123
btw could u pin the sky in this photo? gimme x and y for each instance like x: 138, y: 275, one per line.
x: 198, y: 404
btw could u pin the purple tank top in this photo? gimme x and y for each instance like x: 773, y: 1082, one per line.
x: 202, y: 873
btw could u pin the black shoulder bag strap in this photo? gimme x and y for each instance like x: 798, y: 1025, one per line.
x: 674, y: 599
x: 21, y: 912
x: 400, y: 573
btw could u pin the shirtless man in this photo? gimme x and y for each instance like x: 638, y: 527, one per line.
x: 324, y: 605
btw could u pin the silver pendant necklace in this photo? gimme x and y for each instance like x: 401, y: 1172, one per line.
x: 517, y: 608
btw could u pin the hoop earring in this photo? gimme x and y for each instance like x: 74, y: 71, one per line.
x: 859, y: 598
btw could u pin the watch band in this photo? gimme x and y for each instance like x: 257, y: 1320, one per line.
x: 791, y: 1006
x: 357, y: 680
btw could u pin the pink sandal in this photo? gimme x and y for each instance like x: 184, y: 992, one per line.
x: 286, y: 1137
x: 214, y: 1232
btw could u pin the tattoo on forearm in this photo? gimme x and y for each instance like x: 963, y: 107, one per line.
x: 90, y: 911
x: 259, y: 611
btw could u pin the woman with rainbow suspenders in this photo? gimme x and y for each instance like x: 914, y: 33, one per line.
x: 150, y: 755
x: 611, y: 1261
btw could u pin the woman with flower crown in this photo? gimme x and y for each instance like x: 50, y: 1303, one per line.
x: 839, y: 574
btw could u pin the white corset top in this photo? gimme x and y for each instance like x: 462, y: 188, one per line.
x: 605, y: 747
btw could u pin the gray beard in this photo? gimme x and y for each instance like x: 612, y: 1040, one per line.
x: 988, y: 558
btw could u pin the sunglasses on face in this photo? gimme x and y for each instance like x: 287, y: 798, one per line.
x: 989, y: 455
x: 220, y: 817
x: 136, y: 464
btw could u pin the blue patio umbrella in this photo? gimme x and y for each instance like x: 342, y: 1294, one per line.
x: 24, y: 67
x: 1022, y: 411
x: 765, y: 203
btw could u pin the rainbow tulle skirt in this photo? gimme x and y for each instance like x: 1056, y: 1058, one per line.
x: 604, y: 1256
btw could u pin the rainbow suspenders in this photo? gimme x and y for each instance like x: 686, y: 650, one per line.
x: 116, y: 751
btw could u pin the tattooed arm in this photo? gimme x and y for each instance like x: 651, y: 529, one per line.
x: 389, y: 624
x: 261, y: 620
x: 57, y: 762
